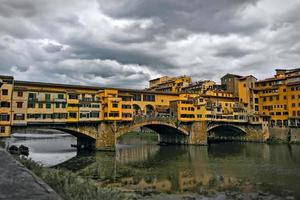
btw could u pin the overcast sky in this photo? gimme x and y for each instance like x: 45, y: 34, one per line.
x: 124, y: 43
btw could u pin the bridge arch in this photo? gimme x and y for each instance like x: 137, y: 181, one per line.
x: 168, y: 132
x: 225, y: 132
x: 85, y: 139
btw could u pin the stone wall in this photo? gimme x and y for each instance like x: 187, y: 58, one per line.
x: 279, y: 133
x: 198, y: 133
x: 295, y: 135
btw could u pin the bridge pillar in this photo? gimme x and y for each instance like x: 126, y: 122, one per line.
x: 106, y: 139
x: 257, y: 132
x: 198, y: 133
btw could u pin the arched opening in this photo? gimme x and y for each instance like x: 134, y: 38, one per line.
x: 137, y: 109
x: 84, y: 142
x: 157, y: 134
x: 226, y: 133
x: 149, y: 110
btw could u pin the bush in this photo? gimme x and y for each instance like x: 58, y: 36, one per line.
x: 70, y: 186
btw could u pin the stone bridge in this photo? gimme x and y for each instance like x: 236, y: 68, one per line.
x: 103, y: 135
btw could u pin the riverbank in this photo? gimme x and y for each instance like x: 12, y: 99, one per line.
x: 17, y: 182
x: 71, y: 186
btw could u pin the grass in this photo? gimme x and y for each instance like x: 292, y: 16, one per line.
x: 69, y: 185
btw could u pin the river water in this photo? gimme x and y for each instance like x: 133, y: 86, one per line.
x: 220, y: 170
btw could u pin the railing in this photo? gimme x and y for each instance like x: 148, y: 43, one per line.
x: 148, y: 118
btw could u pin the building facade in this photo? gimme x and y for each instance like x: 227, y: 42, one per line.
x: 244, y: 99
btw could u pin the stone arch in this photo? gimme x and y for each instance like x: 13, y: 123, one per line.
x: 226, y: 130
x: 165, y: 130
x: 149, y: 109
x: 85, y: 139
x: 136, y: 109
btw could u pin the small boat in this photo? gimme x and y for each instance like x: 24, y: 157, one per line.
x: 74, y: 145
x: 13, y: 149
x: 23, y: 150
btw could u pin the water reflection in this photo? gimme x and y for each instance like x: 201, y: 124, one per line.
x: 149, y: 168
x: 47, y: 149
x: 243, y: 167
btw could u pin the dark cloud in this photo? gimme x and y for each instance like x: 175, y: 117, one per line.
x: 52, y: 48
x: 124, y: 43
x: 231, y: 51
x: 214, y: 16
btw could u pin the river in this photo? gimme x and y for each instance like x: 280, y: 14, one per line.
x: 237, y: 170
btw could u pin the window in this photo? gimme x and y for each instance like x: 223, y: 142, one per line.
x: 84, y: 115
x: 48, y: 105
x: 137, y: 97
x: 19, y: 116
x: 264, y: 99
x: 4, y: 117
x: 47, y: 97
x: 56, y: 105
x: 73, y: 96
x: 5, y: 104
x: 60, y: 96
x: 113, y: 114
x: 41, y: 105
x: 31, y: 105
x: 284, y: 97
x: 4, y: 92
x: 293, y: 104
x: 63, y: 105
x: 2, y: 129
x: 284, y: 90
x: 149, y: 97
x: 20, y: 93
x: 94, y: 114
x: 72, y: 115
x: 31, y: 96
x: 19, y: 104
x: 293, y: 96
x: 114, y: 105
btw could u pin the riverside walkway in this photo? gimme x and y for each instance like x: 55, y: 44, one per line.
x: 17, y: 182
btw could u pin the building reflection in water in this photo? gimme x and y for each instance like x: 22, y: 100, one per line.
x: 127, y: 154
x: 197, y: 169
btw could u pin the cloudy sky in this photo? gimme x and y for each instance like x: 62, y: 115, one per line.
x: 124, y: 43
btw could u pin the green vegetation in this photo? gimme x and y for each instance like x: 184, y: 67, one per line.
x: 69, y: 185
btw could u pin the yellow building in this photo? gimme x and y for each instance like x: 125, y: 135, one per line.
x: 6, y: 83
x: 217, y: 106
x: 246, y: 94
x: 230, y: 81
x: 279, y: 98
x: 115, y: 105
x: 199, y: 87
x: 169, y: 84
